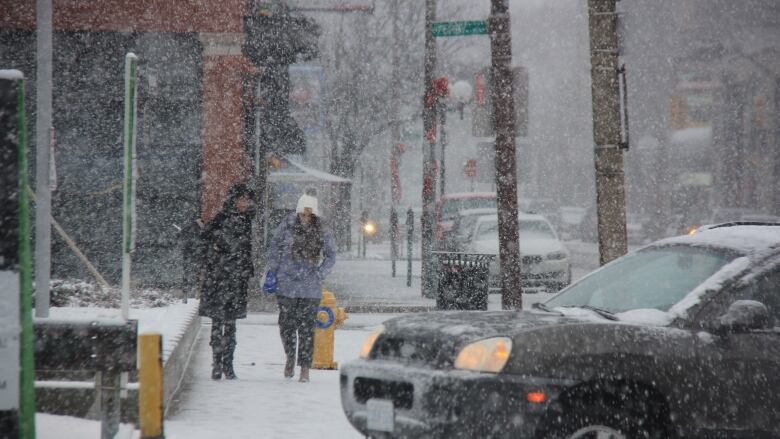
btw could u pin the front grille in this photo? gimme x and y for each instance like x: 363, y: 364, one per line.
x: 407, y: 351
x: 531, y: 260
x: 401, y: 393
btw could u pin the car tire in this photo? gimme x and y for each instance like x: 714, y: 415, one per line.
x: 610, y: 418
x: 598, y: 424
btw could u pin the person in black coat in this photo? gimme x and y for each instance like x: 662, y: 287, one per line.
x: 228, y: 267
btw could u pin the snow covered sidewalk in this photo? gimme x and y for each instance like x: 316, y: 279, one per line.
x: 262, y: 403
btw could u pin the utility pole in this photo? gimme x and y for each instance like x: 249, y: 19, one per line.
x: 43, y: 133
x: 429, y: 143
x: 607, y: 135
x: 395, y: 134
x: 506, y: 169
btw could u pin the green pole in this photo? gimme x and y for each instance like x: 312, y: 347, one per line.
x: 27, y: 374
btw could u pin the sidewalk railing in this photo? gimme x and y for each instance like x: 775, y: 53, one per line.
x: 105, y: 348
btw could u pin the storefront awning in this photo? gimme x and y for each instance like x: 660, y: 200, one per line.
x: 287, y: 170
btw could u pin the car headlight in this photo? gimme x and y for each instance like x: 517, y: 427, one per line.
x: 369, y: 228
x: 368, y: 344
x: 488, y: 355
x: 556, y: 256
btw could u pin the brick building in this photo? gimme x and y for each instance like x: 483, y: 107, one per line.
x: 190, y: 120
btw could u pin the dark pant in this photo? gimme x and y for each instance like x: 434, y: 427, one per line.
x: 296, y: 324
x: 223, y: 341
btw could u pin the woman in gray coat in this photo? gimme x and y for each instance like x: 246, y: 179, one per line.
x: 301, y: 255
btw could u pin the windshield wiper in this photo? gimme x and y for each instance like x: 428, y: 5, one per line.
x: 602, y: 312
x: 543, y: 307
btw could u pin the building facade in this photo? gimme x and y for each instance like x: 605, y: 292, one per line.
x: 190, y: 140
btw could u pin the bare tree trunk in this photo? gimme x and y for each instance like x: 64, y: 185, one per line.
x: 343, y: 165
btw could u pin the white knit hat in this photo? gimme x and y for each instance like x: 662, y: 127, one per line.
x: 307, y: 201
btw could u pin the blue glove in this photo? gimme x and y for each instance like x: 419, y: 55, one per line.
x: 269, y: 286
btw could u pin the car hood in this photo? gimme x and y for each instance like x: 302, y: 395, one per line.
x: 468, y: 326
x: 437, y: 337
x: 540, y: 340
x: 528, y: 246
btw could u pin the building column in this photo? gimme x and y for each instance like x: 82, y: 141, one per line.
x: 225, y: 161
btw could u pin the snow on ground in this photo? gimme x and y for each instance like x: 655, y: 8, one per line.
x: 67, y: 427
x: 262, y: 403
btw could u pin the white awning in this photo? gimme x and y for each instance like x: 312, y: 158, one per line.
x: 291, y: 171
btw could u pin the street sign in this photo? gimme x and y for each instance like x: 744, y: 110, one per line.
x: 458, y: 28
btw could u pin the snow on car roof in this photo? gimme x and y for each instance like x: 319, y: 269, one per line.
x: 521, y: 215
x: 478, y: 211
x: 745, y: 239
x: 460, y: 195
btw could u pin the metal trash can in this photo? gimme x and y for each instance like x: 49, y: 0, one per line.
x: 462, y: 280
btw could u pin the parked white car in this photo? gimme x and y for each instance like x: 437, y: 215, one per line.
x: 545, y: 261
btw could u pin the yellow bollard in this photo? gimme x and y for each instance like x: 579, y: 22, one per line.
x: 329, y: 317
x: 150, y: 386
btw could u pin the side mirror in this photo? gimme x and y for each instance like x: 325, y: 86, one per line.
x: 742, y: 316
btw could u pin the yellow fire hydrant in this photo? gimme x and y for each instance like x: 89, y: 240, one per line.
x: 329, y: 317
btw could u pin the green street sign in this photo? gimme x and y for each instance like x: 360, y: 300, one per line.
x: 458, y: 28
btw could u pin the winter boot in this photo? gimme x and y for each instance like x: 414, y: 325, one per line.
x: 216, y: 366
x: 230, y: 374
x: 304, y: 378
x: 289, y: 367
x: 227, y: 365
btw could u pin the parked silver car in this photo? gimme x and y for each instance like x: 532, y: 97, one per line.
x: 545, y: 261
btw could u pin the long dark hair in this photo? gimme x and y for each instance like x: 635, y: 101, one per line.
x: 307, y: 240
x: 229, y: 209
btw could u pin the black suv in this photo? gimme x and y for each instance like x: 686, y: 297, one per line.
x: 678, y: 339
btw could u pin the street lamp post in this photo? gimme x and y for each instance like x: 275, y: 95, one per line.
x: 460, y: 93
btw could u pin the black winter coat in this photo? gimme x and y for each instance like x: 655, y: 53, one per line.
x: 228, y: 266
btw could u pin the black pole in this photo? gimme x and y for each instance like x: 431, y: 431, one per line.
x: 363, y: 222
x: 409, y: 236
x: 393, y: 237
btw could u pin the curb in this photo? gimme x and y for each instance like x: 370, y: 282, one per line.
x: 176, y: 366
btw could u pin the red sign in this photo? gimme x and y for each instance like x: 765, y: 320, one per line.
x: 479, y: 90
x: 441, y: 86
x: 470, y: 168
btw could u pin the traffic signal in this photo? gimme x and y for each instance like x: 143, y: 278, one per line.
x: 279, y: 38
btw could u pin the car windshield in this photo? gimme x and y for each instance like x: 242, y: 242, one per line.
x: 533, y: 229
x: 450, y: 208
x: 651, y: 278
